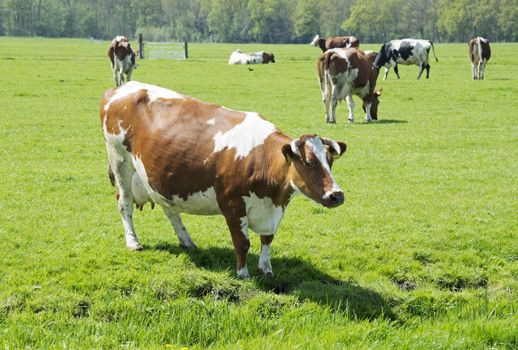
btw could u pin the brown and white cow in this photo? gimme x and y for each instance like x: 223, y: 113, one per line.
x: 200, y: 158
x: 346, y: 72
x: 123, y: 59
x: 333, y: 42
x: 480, y: 53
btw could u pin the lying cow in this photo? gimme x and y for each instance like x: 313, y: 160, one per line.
x: 123, y: 59
x: 333, y: 42
x: 238, y: 57
x: 480, y: 53
x: 199, y: 158
x: 406, y: 51
x: 346, y: 72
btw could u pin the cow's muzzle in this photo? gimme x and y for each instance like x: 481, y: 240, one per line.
x: 333, y: 199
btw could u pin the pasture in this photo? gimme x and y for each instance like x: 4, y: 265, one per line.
x: 423, y: 254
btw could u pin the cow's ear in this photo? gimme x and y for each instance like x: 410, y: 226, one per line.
x: 337, y: 148
x: 291, y: 150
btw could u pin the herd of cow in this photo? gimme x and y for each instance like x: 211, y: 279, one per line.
x: 194, y: 157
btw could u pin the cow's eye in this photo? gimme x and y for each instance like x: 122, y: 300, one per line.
x: 310, y: 163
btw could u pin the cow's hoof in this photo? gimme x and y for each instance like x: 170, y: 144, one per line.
x: 350, y: 120
x: 190, y: 246
x: 135, y: 247
x: 331, y: 121
x: 266, y: 274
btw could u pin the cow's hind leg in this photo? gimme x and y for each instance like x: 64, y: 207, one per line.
x: 350, y: 104
x: 183, y: 235
x: 421, y: 68
x: 481, y: 69
x: 122, y: 168
x: 427, y: 71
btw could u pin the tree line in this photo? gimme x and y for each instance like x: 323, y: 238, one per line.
x: 266, y: 21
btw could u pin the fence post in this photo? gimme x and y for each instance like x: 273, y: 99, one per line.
x: 140, y: 46
x: 186, y: 49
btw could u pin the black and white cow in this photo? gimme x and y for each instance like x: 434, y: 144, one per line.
x: 405, y: 51
x: 479, y: 52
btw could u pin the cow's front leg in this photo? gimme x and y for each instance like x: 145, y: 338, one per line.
x: 386, y: 73
x: 396, y: 70
x: 128, y: 75
x: 265, y: 266
x: 182, y: 233
x: 238, y: 226
x: 368, y: 117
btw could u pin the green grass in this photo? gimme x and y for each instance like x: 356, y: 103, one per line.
x: 423, y: 254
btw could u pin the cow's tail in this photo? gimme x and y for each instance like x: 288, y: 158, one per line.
x: 433, y: 49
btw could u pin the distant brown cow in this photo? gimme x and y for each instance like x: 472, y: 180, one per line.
x: 479, y: 52
x: 335, y: 42
x: 123, y: 59
x: 346, y: 72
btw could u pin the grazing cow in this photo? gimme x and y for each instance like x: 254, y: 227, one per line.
x: 238, y: 57
x: 406, y: 51
x: 200, y: 158
x: 123, y: 59
x: 335, y: 42
x: 480, y: 52
x: 346, y: 72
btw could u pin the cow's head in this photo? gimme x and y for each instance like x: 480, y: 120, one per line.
x: 311, y: 159
x: 374, y: 104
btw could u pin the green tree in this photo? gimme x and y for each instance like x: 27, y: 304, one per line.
x: 307, y: 22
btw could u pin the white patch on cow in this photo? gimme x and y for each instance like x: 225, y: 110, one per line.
x: 201, y: 203
x: 237, y: 57
x: 319, y: 150
x: 154, y: 92
x: 244, y: 226
x: 264, y: 260
x: 264, y: 217
x: 211, y: 121
x: 145, y: 190
x: 245, y: 136
x: 139, y: 190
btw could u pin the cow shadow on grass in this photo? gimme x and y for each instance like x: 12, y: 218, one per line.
x: 387, y: 121
x: 296, y: 277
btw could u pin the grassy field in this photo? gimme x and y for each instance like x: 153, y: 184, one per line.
x: 423, y: 254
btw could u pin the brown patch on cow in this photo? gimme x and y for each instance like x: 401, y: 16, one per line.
x: 341, y: 42
x: 268, y: 57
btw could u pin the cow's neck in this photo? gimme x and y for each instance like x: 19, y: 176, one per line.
x: 279, y: 171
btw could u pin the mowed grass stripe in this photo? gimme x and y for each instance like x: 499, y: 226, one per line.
x: 422, y: 254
